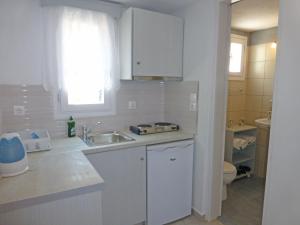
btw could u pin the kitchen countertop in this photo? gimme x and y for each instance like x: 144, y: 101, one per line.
x: 64, y: 170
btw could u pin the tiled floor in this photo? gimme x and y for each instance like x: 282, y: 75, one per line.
x: 244, y: 204
x: 192, y: 220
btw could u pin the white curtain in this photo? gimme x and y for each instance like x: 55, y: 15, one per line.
x: 80, y: 41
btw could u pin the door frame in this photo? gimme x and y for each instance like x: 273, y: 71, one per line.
x: 214, y: 186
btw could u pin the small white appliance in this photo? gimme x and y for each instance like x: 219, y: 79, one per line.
x: 13, y: 156
x: 169, y: 181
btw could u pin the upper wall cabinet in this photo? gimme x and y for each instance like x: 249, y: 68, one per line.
x: 151, y: 45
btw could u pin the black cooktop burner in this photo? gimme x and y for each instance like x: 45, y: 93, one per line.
x: 163, y: 124
x: 159, y: 127
x: 144, y: 125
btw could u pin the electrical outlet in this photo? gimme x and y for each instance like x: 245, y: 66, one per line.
x: 193, y: 102
x: 132, y: 105
x: 193, y: 107
x: 193, y: 98
x: 19, y: 110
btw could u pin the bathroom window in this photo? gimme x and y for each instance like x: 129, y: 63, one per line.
x: 237, y: 62
x: 86, y: 62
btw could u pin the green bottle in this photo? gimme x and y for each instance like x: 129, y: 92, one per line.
x: 71, y: 127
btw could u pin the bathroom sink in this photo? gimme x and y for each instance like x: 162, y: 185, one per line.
x: 263, y: 123
x: 107, y: 138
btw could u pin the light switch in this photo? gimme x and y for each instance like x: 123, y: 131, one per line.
x: 19, y: 110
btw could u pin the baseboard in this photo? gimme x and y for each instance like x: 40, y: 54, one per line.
x: 197, y: 214
x: 142, y: 223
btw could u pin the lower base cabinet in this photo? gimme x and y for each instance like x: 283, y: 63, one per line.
x: 81, y: 209
x: 124, y: 193
x: 169, y: 181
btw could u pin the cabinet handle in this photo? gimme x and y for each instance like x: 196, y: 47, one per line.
x: 138, y: 62
x: 172, y: 159
x: 187, y: 145
x: 142, y: 158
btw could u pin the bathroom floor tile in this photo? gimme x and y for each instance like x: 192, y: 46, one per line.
x: 244, y: 204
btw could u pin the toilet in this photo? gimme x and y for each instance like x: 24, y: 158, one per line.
x: 228, y: 177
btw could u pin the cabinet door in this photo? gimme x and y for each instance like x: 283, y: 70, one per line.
x: 169, y: 182
x: 157, y: 44
x: 124, y: 194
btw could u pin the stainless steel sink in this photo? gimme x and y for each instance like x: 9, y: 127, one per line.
x: 107, y: 138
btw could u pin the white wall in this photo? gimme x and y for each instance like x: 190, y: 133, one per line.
x: 282, y: 198
x: 20, y: 42
x: 263, y: 36
x: 206, y: 37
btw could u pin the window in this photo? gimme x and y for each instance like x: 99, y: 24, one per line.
x: 237, y: 57
x: 86, y: 58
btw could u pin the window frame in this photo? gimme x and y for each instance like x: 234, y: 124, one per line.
x: 244, y: 41
x: 62, y: 109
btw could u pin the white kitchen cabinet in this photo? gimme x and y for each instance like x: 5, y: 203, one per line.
x: 151, y: 45
x: 124, y: 193
x: 169, y: 181
x: 81, y: 209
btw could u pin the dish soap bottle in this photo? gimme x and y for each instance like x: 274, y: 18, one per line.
x: 71, y: 127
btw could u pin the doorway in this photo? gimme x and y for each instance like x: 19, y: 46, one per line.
x: 250, y: 92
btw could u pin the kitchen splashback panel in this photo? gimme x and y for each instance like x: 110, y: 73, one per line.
x: 39, y: 109
x: 155, y: 101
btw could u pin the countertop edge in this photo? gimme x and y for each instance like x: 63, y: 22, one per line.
x: 50, y: 197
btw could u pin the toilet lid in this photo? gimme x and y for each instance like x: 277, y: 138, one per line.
x: 229, y: 168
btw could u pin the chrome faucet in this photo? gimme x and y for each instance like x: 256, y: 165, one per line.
x: 85, y: 133
x: 87, y: 130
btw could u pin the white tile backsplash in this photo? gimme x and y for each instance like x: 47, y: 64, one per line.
x: 155, y: 101
x: 177, y: 104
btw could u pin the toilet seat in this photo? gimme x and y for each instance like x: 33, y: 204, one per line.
x: 229, y: 168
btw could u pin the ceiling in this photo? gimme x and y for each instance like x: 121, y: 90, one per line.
x: 166, y: 6
x: 247, y: 15
x: 253, y: 15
